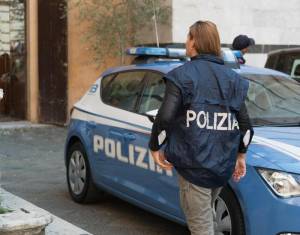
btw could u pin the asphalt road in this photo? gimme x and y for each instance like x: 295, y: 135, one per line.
x: 32, y: 167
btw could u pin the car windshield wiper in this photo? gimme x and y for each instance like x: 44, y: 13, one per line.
x: 257, y: 122
x: 289, y: 124
x: 277, y: 124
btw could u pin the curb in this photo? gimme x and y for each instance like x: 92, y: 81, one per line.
x: 20, y: 125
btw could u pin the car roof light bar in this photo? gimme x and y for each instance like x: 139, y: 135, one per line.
x: 150, y: 51
x: 176, y: 53
x: 229, y: 56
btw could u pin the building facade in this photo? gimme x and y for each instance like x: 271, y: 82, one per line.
x: 274, y: 24
x: 12, y: 30
x: 57, y: 67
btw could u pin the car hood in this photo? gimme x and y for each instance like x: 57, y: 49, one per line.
x: 277, y: 148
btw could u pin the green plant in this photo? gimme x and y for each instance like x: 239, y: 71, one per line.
x: 2, y: 209
x: 115, y: 25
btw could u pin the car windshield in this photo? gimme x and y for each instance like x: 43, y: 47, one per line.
x: 273, y: 100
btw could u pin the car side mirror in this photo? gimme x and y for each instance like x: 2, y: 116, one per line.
x: 152, y: 114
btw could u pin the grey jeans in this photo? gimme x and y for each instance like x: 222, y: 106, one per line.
x: 197, y: 205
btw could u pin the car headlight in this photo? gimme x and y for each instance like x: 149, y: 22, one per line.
x: 283, y: 184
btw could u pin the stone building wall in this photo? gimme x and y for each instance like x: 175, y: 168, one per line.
x: 12, y: 25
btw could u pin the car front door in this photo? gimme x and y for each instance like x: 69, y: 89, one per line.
x: 121, y: 145
x: 112, y: 133
x: 159, y: 186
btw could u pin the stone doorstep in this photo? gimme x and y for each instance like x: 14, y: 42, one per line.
x: 56, y: 226
x: 36, y: 231
x: 22, y: 221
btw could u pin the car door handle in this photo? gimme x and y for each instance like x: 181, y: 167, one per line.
x: 92, y: 124
x: 129, y: 136
x: 116, y: 134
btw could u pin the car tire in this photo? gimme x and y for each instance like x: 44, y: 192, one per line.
x: 79, y: 179
x: 229, y: 214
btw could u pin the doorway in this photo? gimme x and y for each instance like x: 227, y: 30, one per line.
x: 13, y: 106
x: 52, y: 51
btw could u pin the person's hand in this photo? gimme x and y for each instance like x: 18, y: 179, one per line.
x: 160, y: 159
x: 240, y: 167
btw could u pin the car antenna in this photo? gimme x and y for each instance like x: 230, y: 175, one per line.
x: 155, y: 23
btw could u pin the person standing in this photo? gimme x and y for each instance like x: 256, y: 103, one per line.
x: 242, y: 43
x: 202, y: 126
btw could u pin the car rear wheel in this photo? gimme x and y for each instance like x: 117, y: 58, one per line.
x: 228, y: 214
x: 80, y: 183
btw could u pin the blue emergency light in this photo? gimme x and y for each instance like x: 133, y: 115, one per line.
x: 174, y: 53
x: 151, y: 51
x: 238, y: 54
x: 229, y: 56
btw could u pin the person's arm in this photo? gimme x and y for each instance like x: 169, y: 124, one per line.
x: 166, y: 114
x: 246, y: 129
x: 246, y: 137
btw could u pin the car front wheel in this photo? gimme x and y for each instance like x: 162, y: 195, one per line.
x: 80, y: 183
x: 229, y: 217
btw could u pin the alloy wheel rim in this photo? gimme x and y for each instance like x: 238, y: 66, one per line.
x: 223, y: 218
x: 77, y: 172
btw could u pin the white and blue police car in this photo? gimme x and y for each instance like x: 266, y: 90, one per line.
x: 110, y: 126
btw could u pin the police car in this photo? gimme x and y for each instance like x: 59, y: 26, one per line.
x: 109, y: 131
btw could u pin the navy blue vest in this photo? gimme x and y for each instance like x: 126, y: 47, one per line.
x: 205, y: 136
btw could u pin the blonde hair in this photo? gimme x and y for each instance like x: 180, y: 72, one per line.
x: 206, y: 37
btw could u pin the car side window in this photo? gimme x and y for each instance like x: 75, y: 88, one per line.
x: 153, y: 94
x: 122, y: 90
x: 297, y: 70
